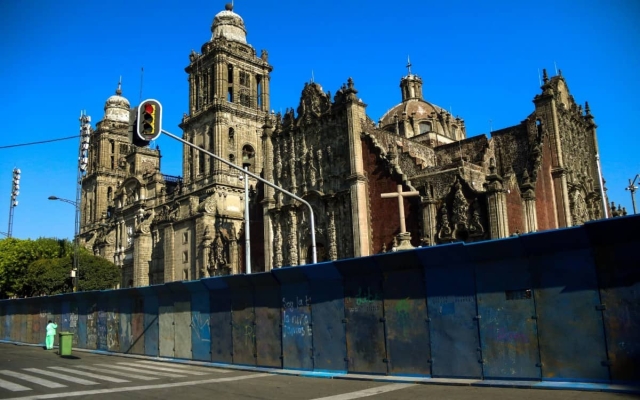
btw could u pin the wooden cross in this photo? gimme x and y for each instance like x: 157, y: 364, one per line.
x: 400, y: 195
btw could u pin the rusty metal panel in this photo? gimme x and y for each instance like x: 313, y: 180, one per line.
x: 243, y: 320
x: 182, y: 319
x: 15, y: 322
x: 136, y: 343
x: 84, y: 309
x: 570, y: 325
x: 220, y: 320
x: 92, y: 320
x: 508, y: 328
x: 297, y: 333
x: 328, y: 317
x: 125, y: 311
x: 150, y: 321
x: 200, y: 314
x: 268, y: 323
x: 365, y: 328
x: 43, y: 316
x: 166, y: 324
x: 103, y: 322
x: 24, y: 311
x: 405, y: 312
x: 618, y: 269
x: 8, y: 322
x: 29, y: 303
x: 113, y: 320
x: 451, y: 305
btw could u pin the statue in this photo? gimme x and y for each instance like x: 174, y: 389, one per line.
x: 218, y: 252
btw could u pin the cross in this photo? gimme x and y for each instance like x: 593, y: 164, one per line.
x: 400, y: 195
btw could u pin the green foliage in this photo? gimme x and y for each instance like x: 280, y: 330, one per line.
x: 43, y: 267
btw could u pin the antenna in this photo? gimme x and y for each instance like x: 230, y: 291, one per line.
x: 556, y: 67
x: 539, y: 79
x: 120, y: 84
x: 141, y: 81
x: 312, y: 78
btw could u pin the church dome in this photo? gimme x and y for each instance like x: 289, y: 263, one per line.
x: 116, y: 108
x: 422, y: 109
x: 229, y: 25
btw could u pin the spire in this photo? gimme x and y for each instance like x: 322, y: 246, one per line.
x: 587, y: 109
x: 119, y: 89
x: 409, y: 65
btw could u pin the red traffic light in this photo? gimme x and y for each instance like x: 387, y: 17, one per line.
x: 149, y: 108
x: 149, y: 120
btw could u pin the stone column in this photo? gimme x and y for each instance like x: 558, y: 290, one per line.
x: 268, y: 202
x: 498, y: 222
x: 357, y: 178
x: 429, y: 220
x: 169, y: 256
x: 529, y: 205
x: 141, y: 258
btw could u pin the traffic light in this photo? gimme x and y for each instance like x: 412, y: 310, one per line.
x: 149, y: 120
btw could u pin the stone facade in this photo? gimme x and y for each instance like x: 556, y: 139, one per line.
x: 540, y: 174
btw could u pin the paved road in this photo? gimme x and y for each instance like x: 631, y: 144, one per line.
x: 34, y: 373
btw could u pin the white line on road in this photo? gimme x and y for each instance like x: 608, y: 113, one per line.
x: 90, y: 375
x: 117, y: 373
x: 166, y: 369
x: 138, y: 388
x: 32, y: 379
x: 62, y: 377
x: 14, y: 387
x: 140, y: 371
x: 186, y: 366
x: 368, y: 392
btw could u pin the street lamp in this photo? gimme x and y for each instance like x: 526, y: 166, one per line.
x: 75, y: 273
x: 632, y: 188
x: 246, y: 163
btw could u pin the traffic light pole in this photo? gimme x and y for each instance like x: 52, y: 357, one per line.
x: 266, y: 182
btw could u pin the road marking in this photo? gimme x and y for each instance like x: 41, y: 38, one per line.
x: 138, y: 388
x: 117, y: 373
x: 90, y: 375
x: 62, y: 377
x: 166, y: 369
x: 368, y: 392
x: 32, y: 379
x: 14, y: 387
x: 138, y: 370
x: 187, y: 366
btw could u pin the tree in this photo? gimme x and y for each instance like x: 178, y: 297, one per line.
x: 47, y: 277
x: 96, y: 273
x: 17, y: 254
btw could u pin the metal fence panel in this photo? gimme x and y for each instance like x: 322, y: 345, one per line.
x: 3, y: 314
x: 567, y: 300
x: 113, y: 319
x: 24, y: 316
x: 618, y: 268
x: 103, y: 322
x: 405, y: 312
x: 451, y: 305
x: 125, y: 309
x: 137, y: 324
x: 92, y: 320
x: 220, y: 320
x: 73, y: 318
x: 65, y: 318
x: 366, y: 347
x: 30, y: 314
x: 8, y: 320
x: 200, y: 314
x: 508, y: 328
x: 243, y: 320
x: 182, y: 319
x: 328, y: 317
x: 166, y: 327
x: 297, y: 333
x: 151, y: 321
x: 268, y: 323
x: 55, y: 308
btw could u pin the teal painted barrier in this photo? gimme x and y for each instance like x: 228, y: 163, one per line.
x: 561, y: 308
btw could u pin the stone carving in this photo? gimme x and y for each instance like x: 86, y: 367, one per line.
x: 277, y: 242
x: 475, y: 225
x: 445, y: 228
x: 210, y: 205
x: 218, y: 257
x: 579, y: 208
x: 459, y: 217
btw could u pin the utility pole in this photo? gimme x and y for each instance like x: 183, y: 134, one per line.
x: 632, y: 188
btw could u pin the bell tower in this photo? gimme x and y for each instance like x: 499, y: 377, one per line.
x: 228, y: 102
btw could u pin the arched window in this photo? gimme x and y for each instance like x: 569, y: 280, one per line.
x: 425, y: 127
x: 109, y: 194
x: 248, y: 156
x: 231, y: 135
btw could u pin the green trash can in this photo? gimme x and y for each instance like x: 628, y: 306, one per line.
x: 65, y: 341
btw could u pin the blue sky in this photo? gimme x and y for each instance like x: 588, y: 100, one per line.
x: 478, y: 58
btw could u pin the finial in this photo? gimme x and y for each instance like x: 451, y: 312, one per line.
x: 559, y: 72
x: 228, y: 7
x: 350, y: 83
x: 409, y: 65
x: 587, y: 109
x: 545, y: 77
x: 119, y: 89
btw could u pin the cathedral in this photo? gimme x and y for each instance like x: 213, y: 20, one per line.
x: 412, y: 178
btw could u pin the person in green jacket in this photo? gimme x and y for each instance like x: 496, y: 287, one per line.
x: 51, y: 334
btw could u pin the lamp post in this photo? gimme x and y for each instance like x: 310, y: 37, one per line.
x: 632, y: 188
x: 15, y: 191
x: 75, y: 273
x: 246, y: 163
